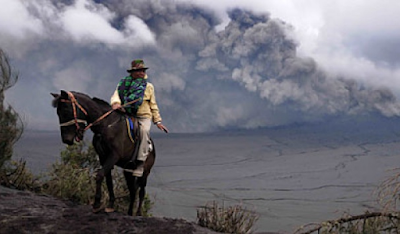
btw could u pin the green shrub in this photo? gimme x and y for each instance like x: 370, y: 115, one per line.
x: 14, y: 174
x: 233, y: 219
x: 11, y: 126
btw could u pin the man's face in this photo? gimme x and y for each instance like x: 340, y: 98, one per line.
x: 140, y: 73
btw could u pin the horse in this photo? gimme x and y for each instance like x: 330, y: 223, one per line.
x: 77, y: 112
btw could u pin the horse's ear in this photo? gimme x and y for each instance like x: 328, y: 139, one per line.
x: 64, y: 94
x: 55, y: 95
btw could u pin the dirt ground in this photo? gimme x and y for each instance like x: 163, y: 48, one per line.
x: 26, y: 212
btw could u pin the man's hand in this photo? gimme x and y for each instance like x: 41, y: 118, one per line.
x: 162, y: 127
x: 117, y: 106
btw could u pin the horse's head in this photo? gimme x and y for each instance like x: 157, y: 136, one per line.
x: 71, y: 115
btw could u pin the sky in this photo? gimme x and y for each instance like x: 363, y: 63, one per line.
x: 215, y: 65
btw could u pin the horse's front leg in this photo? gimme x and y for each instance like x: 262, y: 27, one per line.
x: 110, y: 187
x: 97, y: 197
x: 105, y: 170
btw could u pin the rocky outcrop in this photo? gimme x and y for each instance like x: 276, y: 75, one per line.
x: 27, y: 212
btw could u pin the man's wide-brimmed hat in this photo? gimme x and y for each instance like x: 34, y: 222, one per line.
x: 137, y: 64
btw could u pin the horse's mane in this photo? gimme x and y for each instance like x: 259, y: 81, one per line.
x: 101, y: 102
x: 81, y: 94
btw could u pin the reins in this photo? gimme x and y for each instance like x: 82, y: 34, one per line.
x: 107, y: 113
x: 98, y: 120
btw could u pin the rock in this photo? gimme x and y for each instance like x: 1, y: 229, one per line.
x: 27, y: 212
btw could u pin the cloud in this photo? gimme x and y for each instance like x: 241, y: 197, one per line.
x: 88, y: 22
x: 16, y: 20
x: 84, y: 21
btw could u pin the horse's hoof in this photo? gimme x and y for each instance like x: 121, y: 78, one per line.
x: 109, y: 210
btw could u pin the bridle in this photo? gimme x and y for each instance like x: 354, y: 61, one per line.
x: 76, y: 120
x: 75, y: 105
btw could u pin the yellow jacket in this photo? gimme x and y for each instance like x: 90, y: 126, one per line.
x: 148, y: 109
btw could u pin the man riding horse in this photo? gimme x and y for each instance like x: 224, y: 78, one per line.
x: 145, y: 109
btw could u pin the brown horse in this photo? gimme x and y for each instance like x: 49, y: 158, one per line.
x: 77, y: 112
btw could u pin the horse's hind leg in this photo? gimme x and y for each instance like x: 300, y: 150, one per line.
x: 131, y: 182
x: 109, y: 182
x: 142, y: 193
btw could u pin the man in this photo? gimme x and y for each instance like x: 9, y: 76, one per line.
x: 145, y: 109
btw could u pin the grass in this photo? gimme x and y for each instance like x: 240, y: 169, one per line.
x: 231, y: 219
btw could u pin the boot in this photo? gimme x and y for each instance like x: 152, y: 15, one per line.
x: 138, y: 172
